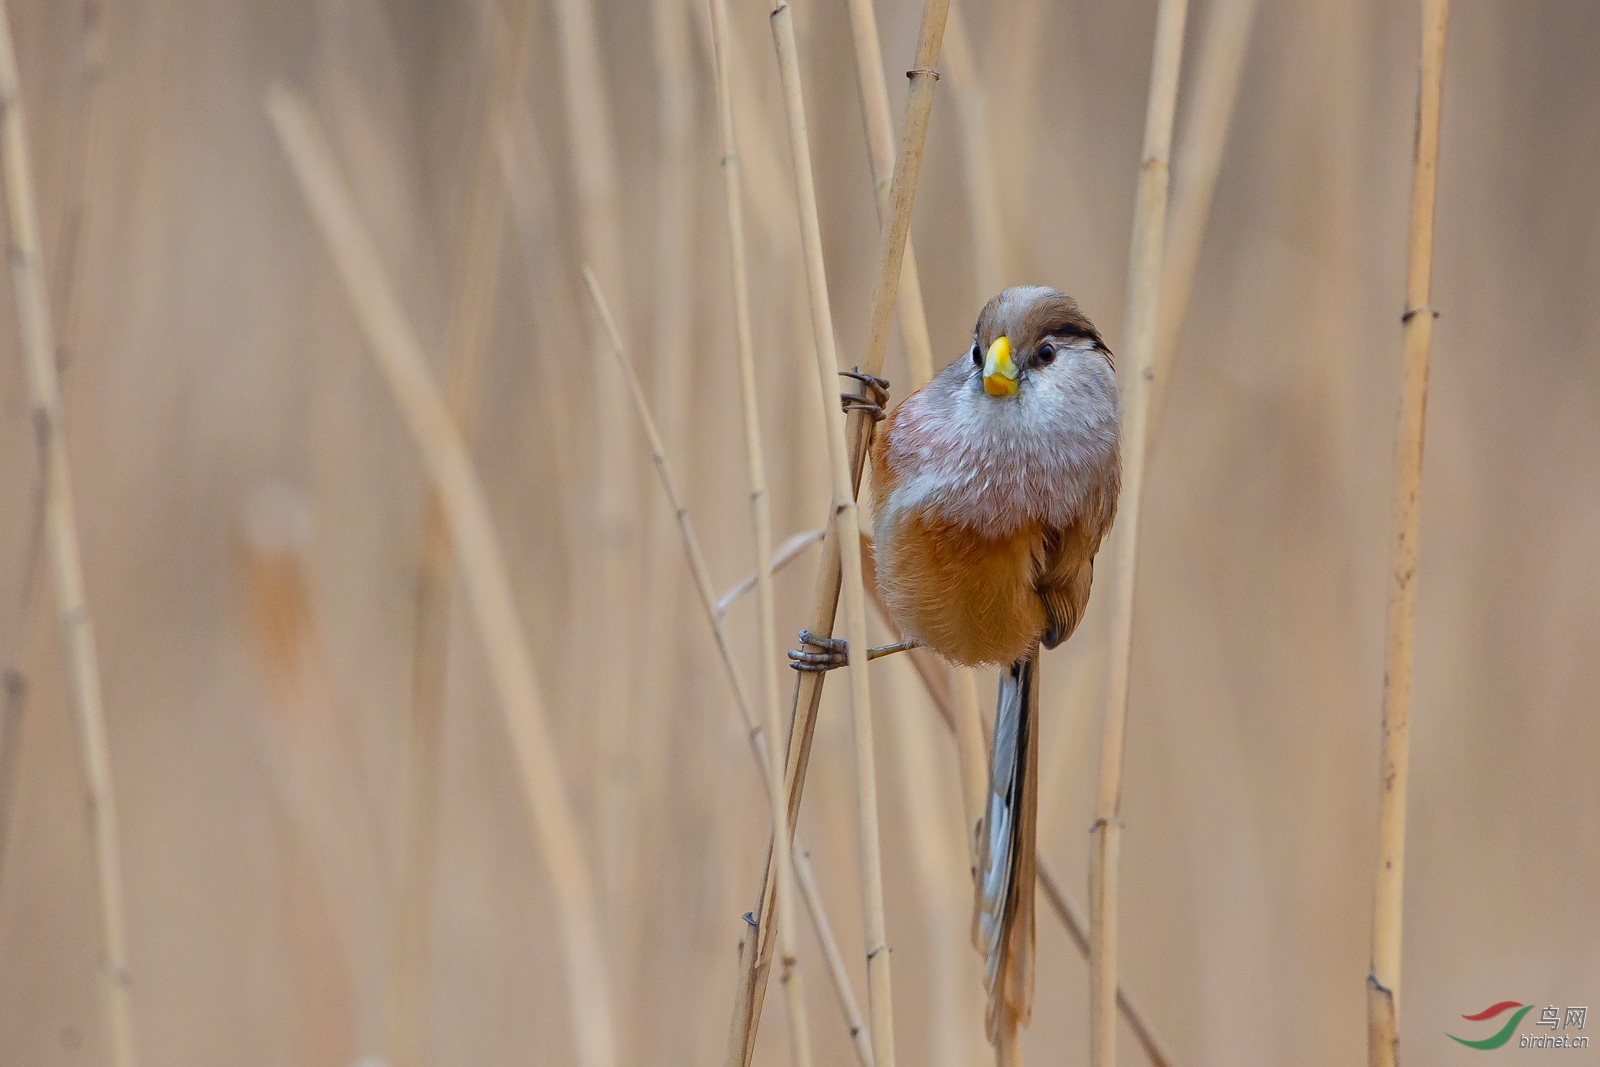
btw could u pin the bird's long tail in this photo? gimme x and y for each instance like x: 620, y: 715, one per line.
x: 1002, y: 925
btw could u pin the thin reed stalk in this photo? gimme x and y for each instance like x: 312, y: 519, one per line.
x: 1383, y: 982
x: 399, y: 356
x: 919, y: 362
x: 847, y: 532
x: 1216, y: 87
x: 470, y: 323
x: 761, y: 525
x: 751, y: 989
x: 1144, y: 288
x: 673, y: 290
x: 977, y: 156
x: 782, y: 556
x: 881, y: 154
x: 61, y: 540
x: 603, y: 618
x: 754, y: 730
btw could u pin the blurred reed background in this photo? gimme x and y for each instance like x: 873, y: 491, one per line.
x: 253, y: 518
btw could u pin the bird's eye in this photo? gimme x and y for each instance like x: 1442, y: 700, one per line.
x: 977, y: 357
x: 1047, y: 354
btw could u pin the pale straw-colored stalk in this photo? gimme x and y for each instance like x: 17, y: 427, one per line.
x: 782, y: 556
x: 919, y: 362
x: 672, y: 382
x: 750, y: 992
x: 399, y: 355
x: 1194, y: 182
x: 755, y: 731
x: 1139, y: 326
x: 1383, y: 982
x: 470, y: 323
x: 879, y: 123
x: 761, y: 524
x: 847, y: 531
x: 604, y: 618
x: 977, y: 156
x: 71, y: 246
x: 61, y: 541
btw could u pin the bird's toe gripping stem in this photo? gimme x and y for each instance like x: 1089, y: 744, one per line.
x: 873, y: 396
x: 819, y: 654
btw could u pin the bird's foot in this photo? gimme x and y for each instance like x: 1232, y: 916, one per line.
x: 818, y: 654
x: 829, y: 653
x: 873, y: 396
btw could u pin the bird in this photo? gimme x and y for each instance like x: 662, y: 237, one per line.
x: 992, y: 488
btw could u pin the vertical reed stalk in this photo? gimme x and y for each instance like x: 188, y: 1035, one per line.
x: 673, y: 307
x: 470, y: 323
x: 603, y: 619
x: 1216, y: 87
x: 919, y: 361
x: 702, y: 580
x: 880, y: 153
x: 847, y: 532
x: 61, y: 539
x: 761, y: 523
x: 1383, y: 982
x: 399, y: 355
x: 751, y: 989
x: 977, y: 156
x: 1144, y: 284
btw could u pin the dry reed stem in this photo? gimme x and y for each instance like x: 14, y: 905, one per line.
x: 782, y: 556
x: 602, y: 619
x: 761, y: 526
x: 847, y: 531
x: 1144, y: 283
x: 61, y: 539
x: 751, y: 989
x: 672, y: 311
x: 470, y: 323
x: 880, y: 154
x: 977, y: 156
x: 701, y: 572
x: 919, y: 361
x: 1383, y: 983
x: 399, y: 355
x: 1216, y: 87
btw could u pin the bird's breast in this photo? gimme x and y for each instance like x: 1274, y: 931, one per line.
x: 968, y: 596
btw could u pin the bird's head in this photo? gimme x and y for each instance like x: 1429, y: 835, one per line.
x: 1022, y: 336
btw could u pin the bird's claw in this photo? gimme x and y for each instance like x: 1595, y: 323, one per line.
x: 873, y: 396
x: 820, y: 653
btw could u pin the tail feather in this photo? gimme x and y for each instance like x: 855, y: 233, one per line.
x: 1003, y: 924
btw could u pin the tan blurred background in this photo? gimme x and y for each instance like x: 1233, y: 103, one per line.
x: 251, y: 515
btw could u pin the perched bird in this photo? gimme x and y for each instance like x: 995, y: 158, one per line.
x: 992, y: 487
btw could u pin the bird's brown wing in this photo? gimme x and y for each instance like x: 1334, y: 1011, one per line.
x: 1066, y: 571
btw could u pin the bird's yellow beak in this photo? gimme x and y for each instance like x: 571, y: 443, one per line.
x: 999, y: 373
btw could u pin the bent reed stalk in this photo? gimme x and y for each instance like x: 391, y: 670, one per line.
x: 1383, y: 982
x: 761, y: 526
x: 399, y: 355
x: 751, y: 989
x: 61, y: 539
x: 1144, y: 286
x: 754, y: 731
